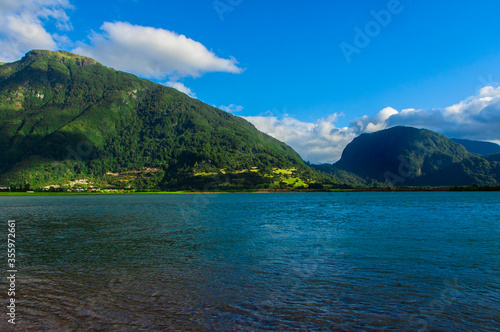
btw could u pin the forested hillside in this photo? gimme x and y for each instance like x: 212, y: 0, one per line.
x: 406, y: 156
x: 64, y: 117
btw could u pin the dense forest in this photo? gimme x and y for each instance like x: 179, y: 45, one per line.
x: 406, y: 156
x: 67, y: 121
x: 64, y: 117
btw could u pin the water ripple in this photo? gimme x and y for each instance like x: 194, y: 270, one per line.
x: 339, y: 261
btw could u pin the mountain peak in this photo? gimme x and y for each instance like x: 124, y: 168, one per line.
x: 62, y: 56
x: 388, y: 151
x: 407, y: 156
x: 64, y: 117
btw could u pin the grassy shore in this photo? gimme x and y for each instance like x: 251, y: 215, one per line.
x: 41, y: 193
x: 131, y: 192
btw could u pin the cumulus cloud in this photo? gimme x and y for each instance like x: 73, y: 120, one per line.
x: 152, y: 52
x: 181, y: 87
x: 232, y: 108
x: 22, y: 26
x: 369, y: 124
x: 477, y: 117
x: 495, y: 141
x: 317, y: 142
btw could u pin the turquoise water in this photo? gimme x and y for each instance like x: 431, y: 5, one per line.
x: 289, y: 261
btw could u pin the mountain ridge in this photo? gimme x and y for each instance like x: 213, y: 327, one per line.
x: 67, y: 120
x: 478, y: 147
x: 64, y: 116
x: 407, y: 156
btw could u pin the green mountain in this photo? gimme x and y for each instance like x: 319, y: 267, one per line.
x: 68, y: 120
x: 405, y: 156
x: 478, y: 147
x: 493, y: 157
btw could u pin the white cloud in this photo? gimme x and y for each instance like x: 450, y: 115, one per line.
x: 317, y: 142
x: 232, y: 108
x: 477, y: 118
x: 22, y: 26
x: 495, y: 141
x: 371, y: 124
x: 473, y: 106
x: 181, y: 87
x: 154, y: 53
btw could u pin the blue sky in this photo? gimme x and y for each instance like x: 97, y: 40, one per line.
x: 313, y: 74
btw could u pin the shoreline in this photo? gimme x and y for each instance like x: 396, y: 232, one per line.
x: 252, y: 191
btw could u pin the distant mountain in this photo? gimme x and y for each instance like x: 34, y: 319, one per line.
x: 478, y: 147
x: 406, y: 156
x: 493, y: 157
x: 67, y: 119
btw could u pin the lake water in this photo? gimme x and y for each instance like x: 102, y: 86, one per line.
x: 288, y: 261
